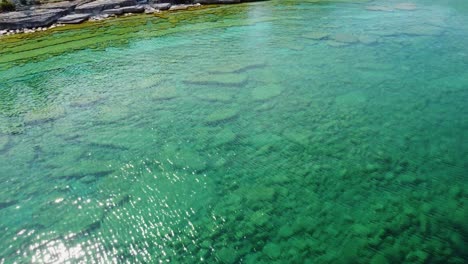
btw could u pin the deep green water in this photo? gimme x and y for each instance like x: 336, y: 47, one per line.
x: 273, y: 132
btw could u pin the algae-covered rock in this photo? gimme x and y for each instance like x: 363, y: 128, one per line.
x: 226, y: 80
x: 222, y: 116
x: 41, y: 115
x: 265, y: 92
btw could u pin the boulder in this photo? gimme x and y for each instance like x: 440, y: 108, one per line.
x: 30, y: 18
x: 161, y: 6
x: 74, y: 19
x: 100, y: 5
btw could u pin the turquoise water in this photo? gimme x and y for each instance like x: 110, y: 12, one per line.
x: 272, y: 132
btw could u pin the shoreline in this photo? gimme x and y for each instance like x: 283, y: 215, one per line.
x: 59, y: 14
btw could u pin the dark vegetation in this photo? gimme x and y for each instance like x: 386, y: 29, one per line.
x: 6, y: 5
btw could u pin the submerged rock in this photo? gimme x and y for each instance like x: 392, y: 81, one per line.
x: 345, y: 38
x: 379, y: 8
x: 367, y: 40
x: 44, y: 114
x: 406, y: 6
x: 83, y: 168
x: 214, y: 95
x: 165, y: 93
x: 316, y: 35
x: 237, y: 68
x: 4, y: 140
x: 224, y: 137
x: 227, y: 79
x: 265, y: 92
x: 187, y: 158
x: 422, y: 30
x: 222, y: 115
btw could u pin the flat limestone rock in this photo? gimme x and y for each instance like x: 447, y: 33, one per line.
x: 100, y: 5
x: 74, y: 19
x: 265, y: 92
x: 222, y: 115
x: 228, y: 79
x: 44, y: 114
x: 30, y: 18
x: 316, y: 35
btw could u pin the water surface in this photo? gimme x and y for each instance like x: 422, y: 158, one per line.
x: 271, y: 132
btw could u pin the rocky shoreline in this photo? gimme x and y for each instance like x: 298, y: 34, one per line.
x: 43, y: 17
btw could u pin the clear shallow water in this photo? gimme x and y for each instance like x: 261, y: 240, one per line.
x: 268, y: 132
